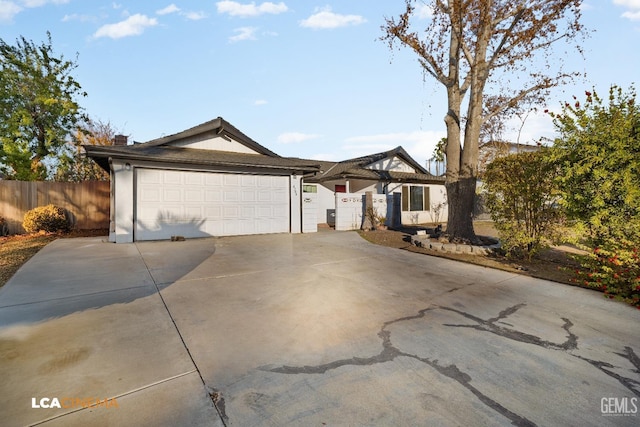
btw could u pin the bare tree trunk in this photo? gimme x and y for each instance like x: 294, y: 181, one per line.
x: 461, y: 198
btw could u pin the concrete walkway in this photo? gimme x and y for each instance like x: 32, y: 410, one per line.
x: 314, y: 329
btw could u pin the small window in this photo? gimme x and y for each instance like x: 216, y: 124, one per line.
x: 308, y: 188
x: 341, y: 188
x: 415, y: 198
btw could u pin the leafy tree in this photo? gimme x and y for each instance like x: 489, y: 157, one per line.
x: 38, y: 109
x: 485, y: 49
x: 521, y: 194
x: 74, y: 165
x: 598, y: 152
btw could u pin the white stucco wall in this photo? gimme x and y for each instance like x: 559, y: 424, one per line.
x: 215, y: 143
x: 326, y: 204
x: 437, y: 196
x: 295, y: 204
x: 392, y: 164
x: 123, y: 202
x: 327, y: 199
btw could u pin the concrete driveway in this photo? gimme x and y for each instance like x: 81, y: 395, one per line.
x: 315, y: 329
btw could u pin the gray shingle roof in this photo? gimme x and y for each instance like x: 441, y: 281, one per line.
x: 356, y: 168
x: 161, y: 150
x: 193, y: 156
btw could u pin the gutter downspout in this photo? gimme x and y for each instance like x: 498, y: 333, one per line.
x: 112, y: 202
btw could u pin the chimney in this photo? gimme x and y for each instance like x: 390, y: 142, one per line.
x: 120, y: 140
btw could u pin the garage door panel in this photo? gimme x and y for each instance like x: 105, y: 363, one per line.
x: 248, y: 195
x: 213, y: 195
x: 150, y: 194
x: 231, y: 196
x: 248, y: 181
x: 169, y: 177
x: 151, y: 177
x: 194, y: 179
x: 248, y: 212
x: 194, y: 212
x: 172, y: 195
x: 231, y: 180
x: 194, y: 195
x: 213, y: 179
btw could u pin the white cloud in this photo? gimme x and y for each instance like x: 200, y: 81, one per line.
x: 38, y: 3
x: 243, y: 33
x: 78, y: 17
x: 424, y: 11
x: 172, y: 8
x: 330, y: 157
x: 325, y: 19
x: 633, y: 16
x: 419, y: 144
x: 634, y: 5
x: 132, y: 26
x: 296, y: 137
x: 234, y: 8
x: 194, y: 16
x: 537, y: 124
x: 260, y: 102
x: 8, y: 10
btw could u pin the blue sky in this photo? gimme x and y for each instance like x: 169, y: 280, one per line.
x: 304, y: 79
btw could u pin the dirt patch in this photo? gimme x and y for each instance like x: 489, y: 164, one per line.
x: 554, y: 264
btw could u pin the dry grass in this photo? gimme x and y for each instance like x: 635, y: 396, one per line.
x: 18, y: 249
x: 553, y: 264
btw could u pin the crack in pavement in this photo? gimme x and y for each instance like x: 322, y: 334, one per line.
x: 390, y: 352
x: 630, y: 383
x: 490, y: 326
x: 570, y: 344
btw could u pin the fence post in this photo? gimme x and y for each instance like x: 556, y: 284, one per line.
x: 367, y: 224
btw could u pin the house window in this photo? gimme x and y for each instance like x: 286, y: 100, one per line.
x: 308, y: 188
x: 341, y: 188
x: 415, y: 198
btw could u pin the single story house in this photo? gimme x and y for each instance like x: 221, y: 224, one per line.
x: 213, y: 180
x: 393, y: 171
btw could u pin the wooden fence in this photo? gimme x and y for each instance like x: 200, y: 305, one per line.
x: 87, y: 202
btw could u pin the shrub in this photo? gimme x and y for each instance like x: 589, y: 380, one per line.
x: 48, y: 218
x: 520, y: 194
x: 613, y: 269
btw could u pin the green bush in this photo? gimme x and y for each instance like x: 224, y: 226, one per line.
x: 598, y: 153
x: 48, y: 218
x: 520, y: 194
x: 614, y: 270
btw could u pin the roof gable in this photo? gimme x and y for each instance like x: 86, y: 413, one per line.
x: 217, y: 135
x: 393, y: 165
